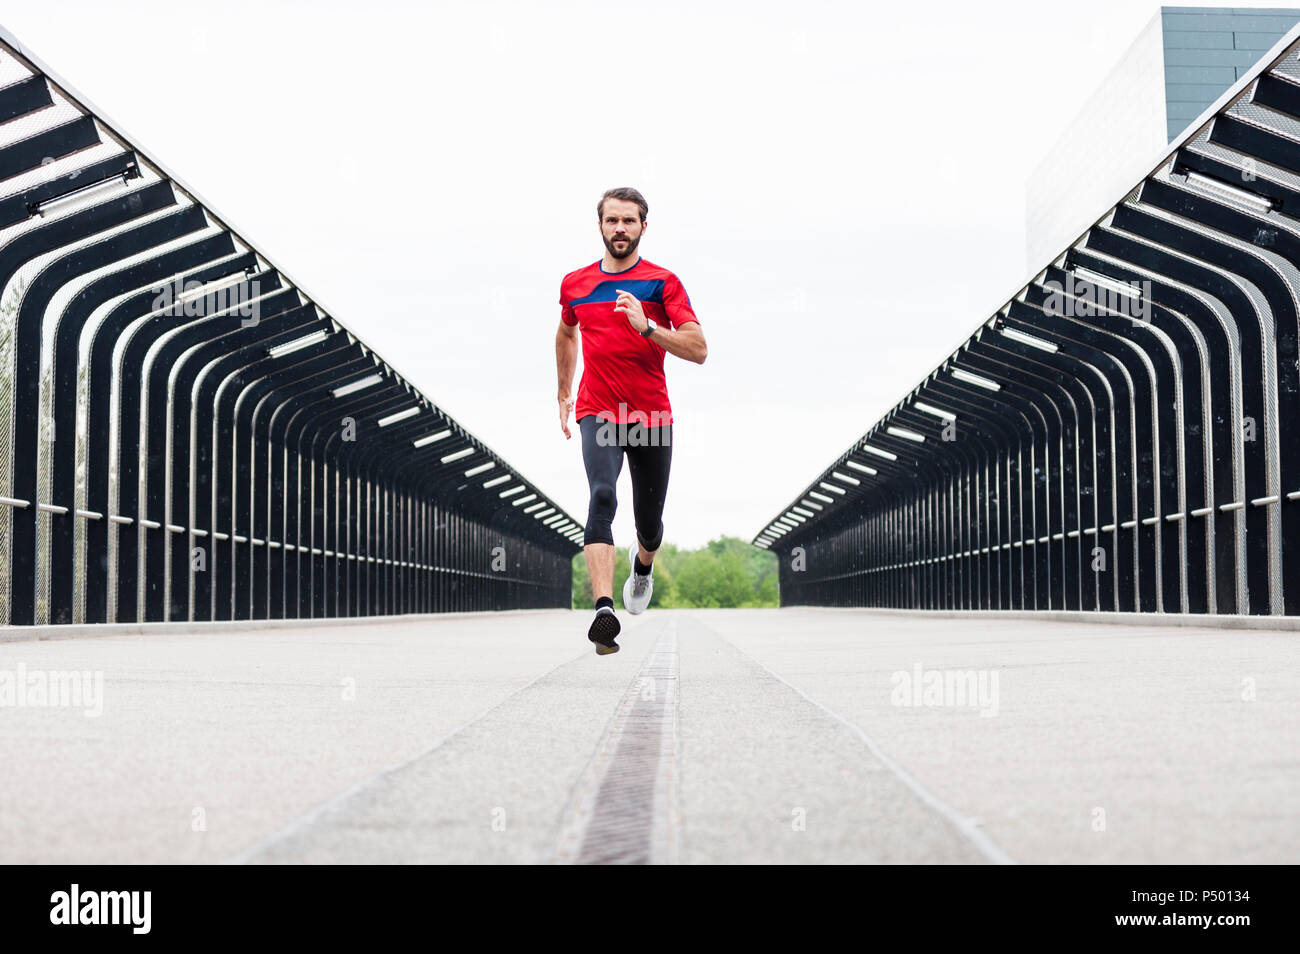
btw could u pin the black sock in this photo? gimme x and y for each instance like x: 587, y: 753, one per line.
x: 604, y: 601
x: 639, y: 568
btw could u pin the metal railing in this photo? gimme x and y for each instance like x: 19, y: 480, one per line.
x: 1117, y: 436
x: 187, y: 434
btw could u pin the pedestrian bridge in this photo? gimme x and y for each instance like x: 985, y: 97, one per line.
x: 783, y: 735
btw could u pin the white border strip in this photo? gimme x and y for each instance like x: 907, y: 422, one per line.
x: 1134, y: 620
x: 15, y: 634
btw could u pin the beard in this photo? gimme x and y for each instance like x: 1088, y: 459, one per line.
x: 627, y: 250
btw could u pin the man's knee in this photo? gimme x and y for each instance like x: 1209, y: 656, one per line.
x: 604, y: 499
x: 651, y: 545
x: 600, y: 515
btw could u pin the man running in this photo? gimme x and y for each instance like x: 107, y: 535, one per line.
x: 631, y: 313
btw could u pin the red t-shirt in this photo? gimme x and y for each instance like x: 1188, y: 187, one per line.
x: 620, y: 366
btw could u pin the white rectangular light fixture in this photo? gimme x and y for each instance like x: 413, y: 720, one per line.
x: 537, y: 506
x: 1016, y: 335
x: 887, y: 455
x: 934, y: 411
x: 475, y: 471
x: 545, y: 513
x: 976, y: 379
x: 905, y: 434
x: 862, y: 467
x: 496, y: 480
x: 831, y: 487
x: 400, y: 416
x: 808, y: 503
x: 1105, y: 281
x: 94, y: 188
x: 523, y: 500
x: 427, y: 439
x: 456, y: 455
x: 367, y: 382
x: 1256, y: 202
x: 806, y: 513
x: 821, y: 497
x: 845, y: 478
x: 297, y: 345
x: 211, y: 288
x: 791, y: 515
x: 511, y: 490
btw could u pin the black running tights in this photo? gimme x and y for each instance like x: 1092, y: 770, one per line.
x: 649, y: 453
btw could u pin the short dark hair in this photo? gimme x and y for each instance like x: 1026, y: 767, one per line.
x: 627, y: 195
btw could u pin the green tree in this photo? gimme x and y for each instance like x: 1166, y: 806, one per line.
x: 725, y: 573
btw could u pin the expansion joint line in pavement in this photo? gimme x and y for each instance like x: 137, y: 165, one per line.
x: 624, y: 808
x: 969, y: 828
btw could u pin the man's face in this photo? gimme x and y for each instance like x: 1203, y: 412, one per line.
x: 621, y: 227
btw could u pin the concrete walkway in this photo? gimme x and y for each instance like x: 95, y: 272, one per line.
x: 794, y: 735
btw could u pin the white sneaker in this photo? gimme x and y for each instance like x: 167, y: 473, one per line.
x: 637, y: 589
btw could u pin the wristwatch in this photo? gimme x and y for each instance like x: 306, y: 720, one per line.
x: 650, y: 326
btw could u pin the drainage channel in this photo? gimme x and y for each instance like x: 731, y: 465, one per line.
x: 624, y: 809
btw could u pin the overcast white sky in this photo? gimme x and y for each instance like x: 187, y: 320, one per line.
x: 839, y: 186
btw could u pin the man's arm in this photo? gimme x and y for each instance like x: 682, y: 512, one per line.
x: 685, y: 342
x: 566, y: 360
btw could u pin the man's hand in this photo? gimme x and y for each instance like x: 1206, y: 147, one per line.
x: 566, y: 356
x: 628, y: 304
x: 685, y: 341
x: 566, y: 408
